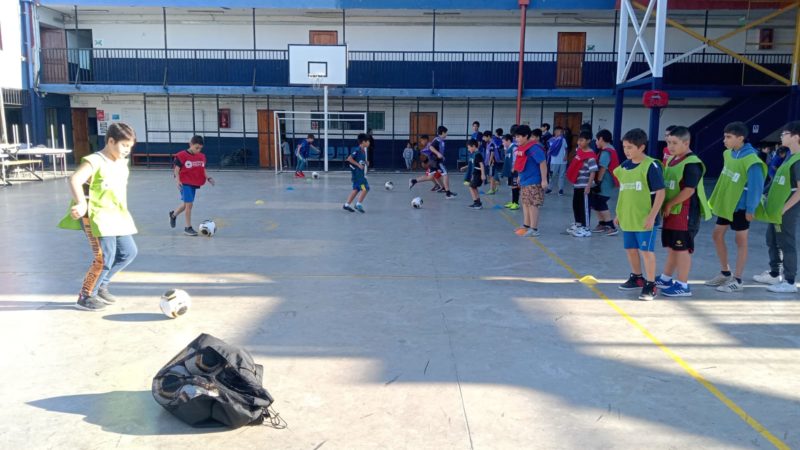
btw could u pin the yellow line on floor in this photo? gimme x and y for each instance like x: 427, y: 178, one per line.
x: 756, y: 425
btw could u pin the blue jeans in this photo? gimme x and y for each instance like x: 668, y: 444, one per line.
x: 302, y: 163
x: 118, y: 253
x: 111, y: 254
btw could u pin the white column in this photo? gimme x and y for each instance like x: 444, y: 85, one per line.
x: 325, y: 122
x: 622, y: 46
x: 661, y: 31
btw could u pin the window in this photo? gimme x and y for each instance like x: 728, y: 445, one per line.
x: 1, y: 36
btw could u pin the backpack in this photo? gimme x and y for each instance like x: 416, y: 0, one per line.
x: 613, y: 164
x: 211, y: 383
x: 576, y: 164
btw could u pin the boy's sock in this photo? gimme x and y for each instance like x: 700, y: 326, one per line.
x: 790, y: 281
x: 738, y: 280
x: 346, y: 204
x: 774, y: 274
x: 665, y: 277
x: 727, y: 273
x: 683, y: 285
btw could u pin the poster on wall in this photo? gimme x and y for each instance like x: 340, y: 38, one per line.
x: 102, y: 127
x: 101, y: 115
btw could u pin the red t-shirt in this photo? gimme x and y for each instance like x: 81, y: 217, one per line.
x: 193, y: 168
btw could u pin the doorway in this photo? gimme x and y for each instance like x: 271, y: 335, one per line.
x: 571, y: 48
x: 80, y: 134
x: 316, y: 37
x: 571, y: 123
x: 422, y: 123
x: 54, y: 55
x: 266, y: 139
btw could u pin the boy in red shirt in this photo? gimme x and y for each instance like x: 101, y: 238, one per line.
x: 190, y: 174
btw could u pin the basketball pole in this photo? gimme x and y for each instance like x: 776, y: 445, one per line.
x: 325, y: 132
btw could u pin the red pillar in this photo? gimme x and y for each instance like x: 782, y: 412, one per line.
x: 523, y: 6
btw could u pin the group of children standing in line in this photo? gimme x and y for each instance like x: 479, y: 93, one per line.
x: 669, y: 194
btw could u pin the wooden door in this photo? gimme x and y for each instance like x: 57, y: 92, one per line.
x: 422, y: 123
x: 569, y: 121
x: 266, y: 138
x: 323, y: 37
x: 80, y: 134
x: 54, y: 55
x: 571, y: 48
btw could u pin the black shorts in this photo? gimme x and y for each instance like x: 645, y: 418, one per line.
x: 739, y: 222
x: 513, y: 179
x: 476, y: 181
x: 680, y: 241
x: 598, y: 202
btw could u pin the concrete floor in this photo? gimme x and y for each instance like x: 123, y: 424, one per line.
x: 400, y: 328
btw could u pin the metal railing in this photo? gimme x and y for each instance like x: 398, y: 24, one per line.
x: 388, y: 69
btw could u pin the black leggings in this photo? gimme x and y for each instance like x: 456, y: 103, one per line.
x: 580, y: 206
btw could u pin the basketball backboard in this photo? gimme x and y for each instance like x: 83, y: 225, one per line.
x: 311, y: 65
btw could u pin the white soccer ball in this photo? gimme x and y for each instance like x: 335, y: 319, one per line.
x: 315, y: 175
x: 416, y: 203
x: 175, y: 303
x: 388, y: 185
x: 208, y: 228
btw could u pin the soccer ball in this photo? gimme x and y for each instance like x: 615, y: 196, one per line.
x: 416, y: 203
x: 388, y: 185
x: 175, y: 303
x: 207, y: 228
x: 315, y: 175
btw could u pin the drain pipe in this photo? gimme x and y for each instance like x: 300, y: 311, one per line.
x: 523, y: 7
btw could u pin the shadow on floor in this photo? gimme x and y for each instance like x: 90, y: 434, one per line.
x: 124, y: 412
x: 136, y: 317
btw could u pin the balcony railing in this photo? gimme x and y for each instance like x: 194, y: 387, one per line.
x: 391, y: 69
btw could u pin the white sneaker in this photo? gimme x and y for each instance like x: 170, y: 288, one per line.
x: 719, y: 280
x: 731, y: 286
x: 582, y: 232
x: 765, y: 278
x: 782, y: 288
x: 532, y: 233
x: 571, y: 229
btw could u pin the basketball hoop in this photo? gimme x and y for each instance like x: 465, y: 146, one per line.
x: 316, y: 81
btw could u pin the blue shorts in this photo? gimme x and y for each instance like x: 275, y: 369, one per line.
x: 641, y: 240
x: 360, y: 184
x: 188, y: 193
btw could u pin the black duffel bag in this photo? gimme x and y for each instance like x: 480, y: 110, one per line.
x: 211, y: 383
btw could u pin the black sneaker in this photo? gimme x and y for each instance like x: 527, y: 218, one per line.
x: 412, y: 182
x: 450, y: 195
x: 348, y: 208
x: 436, y: 188
x: 634, y: 282
x: 189, y: 231
x: 89, y: 304
x: 106, y: 297
x: 648, y: 291
x: 477, y: 206
x: 172, y: 219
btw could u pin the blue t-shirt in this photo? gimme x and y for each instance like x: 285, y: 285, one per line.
x: 532, y: 173
x: 305, y: 149
x: 607, y: 183
x: 360, y: 157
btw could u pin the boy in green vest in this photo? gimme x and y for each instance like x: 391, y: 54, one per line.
x: 641, y: 194
x: 734, y: 201
x: 781, y: 212
x: 100, y: 207
x: 684, y: 205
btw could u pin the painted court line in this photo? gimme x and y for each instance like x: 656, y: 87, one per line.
x: 748, y: 419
